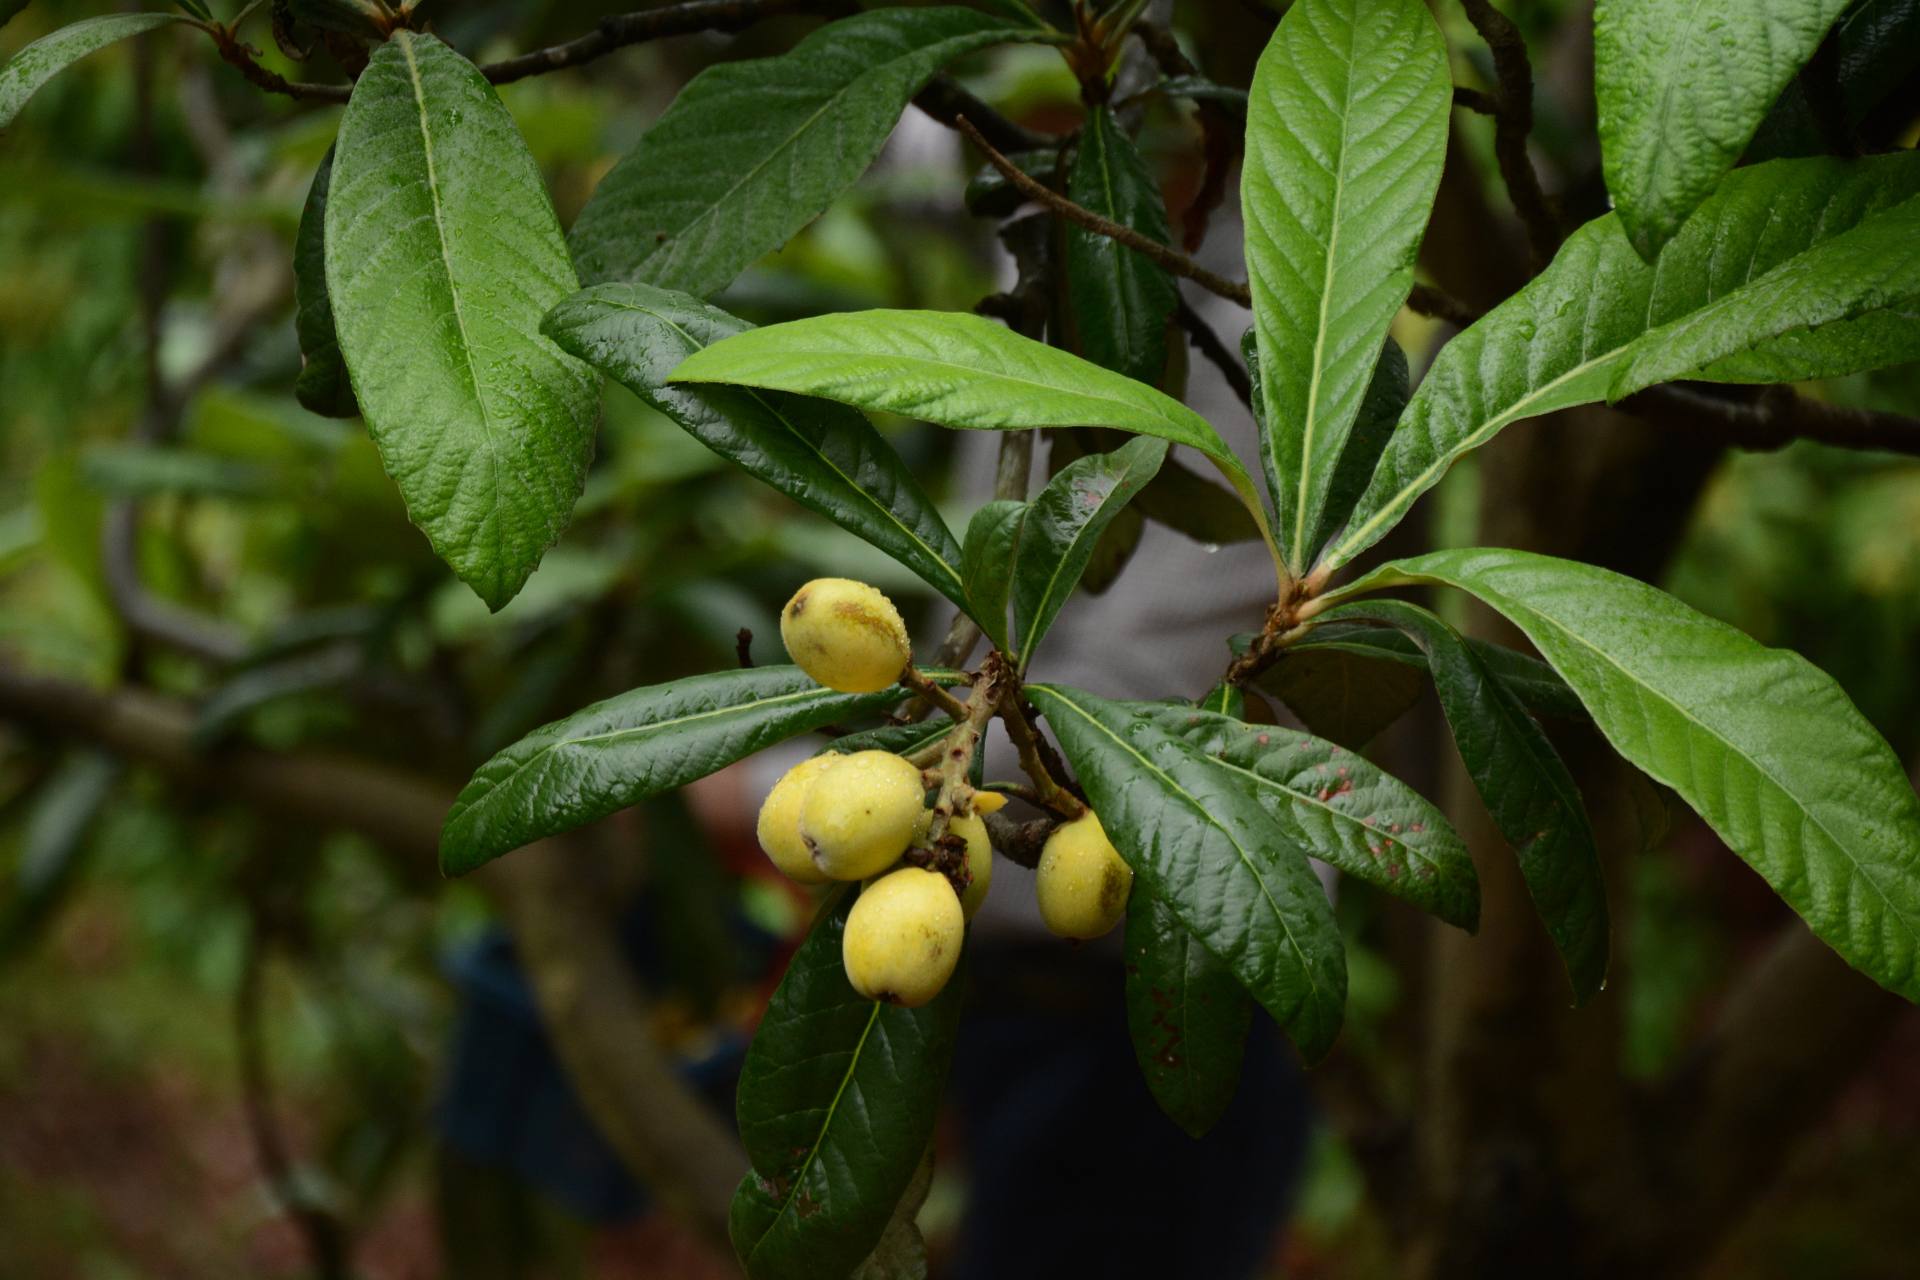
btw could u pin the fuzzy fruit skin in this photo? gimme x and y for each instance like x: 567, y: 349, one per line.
x: 903, y: 937
x: 858, y: 816
x: 1082, y: 883
x: 779, y: 824
x: 846, y: 635
x: 979, y: 860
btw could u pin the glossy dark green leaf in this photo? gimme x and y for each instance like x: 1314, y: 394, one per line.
x: 1201, y: 843
x: 992, y: 547
x: 1874, y: 46
x: 900, y: 739
x: 631, y: 746
x: 1388, y: 391
x: 1201, y: 89
x: 988, y: 194
x: 750, y: 152
x: 1681, y: 87
x: 1343, y: 809
x: 443, y: 254
x: 1187, y: 1013
x: 323, y: 386
x: 1189, y: 503
x: 54, y: 52
x: 1225, y: 700
x: 836, y: 1104
x: 1527, y: 790
x: 1536, y: 684
x: 902, y: 1251
x: 1346, y: 135
x: 1062, y: 527
x: 957, y: 370
x: 824, y: 456
x: 1341, y: 694
x: 1118, y: 301
x: 1763, y: 745
x: 1569, y: 336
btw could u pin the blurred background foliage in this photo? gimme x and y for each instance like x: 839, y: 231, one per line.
x: 147, y: 358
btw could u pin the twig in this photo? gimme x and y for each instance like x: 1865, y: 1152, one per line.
x: 934, y: 694
x: 1774, y: 418
x: 1033, y: 756
x: 1168, y: 259
x: 1208, y: 344
x: 1441, y: 305
x: 945, y: 101
x: 326, y: 1238
x: 1474, y: 100
x: 743, y: 647
x: 620, y: 30
x: 1512, y: 122
x: 956, y: 759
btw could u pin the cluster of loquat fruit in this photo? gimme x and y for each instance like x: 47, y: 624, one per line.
x: 855, y: 816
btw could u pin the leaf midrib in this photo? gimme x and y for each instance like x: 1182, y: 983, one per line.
x: 1306, y: 969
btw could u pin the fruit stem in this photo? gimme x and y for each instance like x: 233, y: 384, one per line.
x: 957, y: 750
x: 1026, y: 740
x: 939, y: 697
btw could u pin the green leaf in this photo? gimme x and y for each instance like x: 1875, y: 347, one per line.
x: 960, y: 371
x: 54, y: 52
x: 899, y: 739
x: 993, y: 544
x: 1201, y: 89
x: 1188, y: 1016
x: 1874, y: 46
x: 1342, y: 809
x: 824, y: 456
x: 902, y: 1251
x: 1346, y: 134
x: 322, y: 386
x: 1565, y: 338
x: 1225, y: 700
x: 1763, y: 745
x: 1341, y: 693
x: 1061, y: 528
x: 1682, y: 85
x: 1190, y: 504
x: 1118, y: 302
x: 1202, y: 844
x: 54, y: 847
x: 442, y: 255
x: 631, y: 746
x: 1871, y: 268
x: 836, y: 1105
x: 1527, y: 789
x: 1537, y: 685
x: 1388, y: 391
x: 750, y: 152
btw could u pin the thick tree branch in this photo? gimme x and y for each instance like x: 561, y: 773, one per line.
x: 1512, y: 123
x: 589, y: 1000
x: 1772, y: 418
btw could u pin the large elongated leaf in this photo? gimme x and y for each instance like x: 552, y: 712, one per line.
x: 825, y: 456
x: 1063, y: 525
x: 1537, y: 685
x: 750, y: 152
x: 1526, y: 787
x: 1874, y: 45
x: 960, y: 371
x: 54, y: 52
x: 1187, y: 1014
x: 1565, y: 338
x: 631, y: 746
x: 322, y: 386
x: 993, y: 548
x: 1342, y: 809
x: 1346, y: 133
x: 1206, y: 847
x: 1118, y: 300
x: 836, y: 1105
x: 1681, y: 86
x: 1763, y: 745
x: 442, y: 255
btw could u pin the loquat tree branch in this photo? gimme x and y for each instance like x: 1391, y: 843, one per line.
x: 1512, y: 110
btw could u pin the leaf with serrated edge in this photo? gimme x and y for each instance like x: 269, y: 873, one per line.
x: 836, y: 1104
x: 1525, y: 786
x: 1342, y: 809
x: 631, y: 746
x: 1119, y: 302
x: 1187, y: 1014
x: 1564, y: 339
x: 1761, y: 743
x: 443, y: 253
x: 1681, y: 87
x: 1061, y: 528
x: 54, y: 52
x: 824, y: 456
x: 1201, y: 843
x: 960, y: 371
x: 750, y: 152
x: 1346, y: 135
